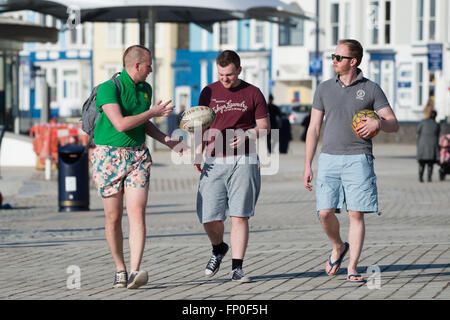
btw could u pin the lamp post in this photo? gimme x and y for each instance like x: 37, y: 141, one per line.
x: 317, y: 34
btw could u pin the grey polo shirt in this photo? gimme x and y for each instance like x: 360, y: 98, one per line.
x: 340, y: 103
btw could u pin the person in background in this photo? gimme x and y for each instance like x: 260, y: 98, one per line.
x: 305, y: 124
x: 275, y: 120
x: 285, y: 133
x: 428, y: 143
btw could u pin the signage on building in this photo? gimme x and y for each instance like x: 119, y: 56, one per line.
x: 404, y: 84
x: 315, y: 64
x: 434, y: 57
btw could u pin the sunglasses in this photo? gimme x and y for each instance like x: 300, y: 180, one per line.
x: 339, y: 58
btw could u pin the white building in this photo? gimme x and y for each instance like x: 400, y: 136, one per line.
x: 398, y: 37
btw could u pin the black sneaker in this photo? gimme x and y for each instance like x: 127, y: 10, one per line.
x: 137, y: 279
x: 214, y: 262
x: 238, y: 275
x: 120, y: 280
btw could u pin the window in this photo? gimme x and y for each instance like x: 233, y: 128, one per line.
x: 73, y: 36
x: 373, y: 20
x: 78, y: 35
x: 334, y: 23
x: 420, y: 19
x: 291, y: 33
x: 426, y: 25
x: 419, y: 83
x: 375, y: 71
x: 53, y: 84
x: 347, y: 20
x: 259, y: 32
x: 379, y: 21
x: 387, y: 22
x: 224, y: 33
x: 114, y: 35
x: 432, y: 21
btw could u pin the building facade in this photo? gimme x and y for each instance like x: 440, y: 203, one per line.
x: 195, y: 67
x: 406, y: 51
x: 14, y: 87
x: 53, y: 77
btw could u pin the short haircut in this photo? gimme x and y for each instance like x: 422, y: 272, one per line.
x: 355, y: 48
x: 134, y: 54
x: 228, y: 56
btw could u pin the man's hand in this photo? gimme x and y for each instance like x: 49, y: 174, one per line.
x: 238, y: 141
x: 178, y: 146
x: 368, y: 126
x: 307, y: 178
x: 161, y: 110
x: 198, y: 167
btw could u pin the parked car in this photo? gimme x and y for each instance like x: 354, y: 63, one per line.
x: 296, y: 111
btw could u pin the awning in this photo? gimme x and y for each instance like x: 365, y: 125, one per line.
x: 17, y: 30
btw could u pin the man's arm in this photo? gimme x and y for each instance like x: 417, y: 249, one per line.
x: 312, y: 138
x: 387, y: 123
x: 122, y: 124
x: 154, y: 132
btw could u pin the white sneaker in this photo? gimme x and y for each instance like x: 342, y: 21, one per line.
x: 137, y: 279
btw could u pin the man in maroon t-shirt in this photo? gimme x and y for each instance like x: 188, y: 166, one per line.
x: 230, y: 179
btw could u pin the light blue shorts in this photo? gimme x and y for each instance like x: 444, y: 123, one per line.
x: 348, y: 179
x: 228, y: 184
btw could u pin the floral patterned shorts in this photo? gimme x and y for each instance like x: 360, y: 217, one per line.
x: 114, y: 168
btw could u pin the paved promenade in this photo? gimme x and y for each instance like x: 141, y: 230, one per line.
x: 58, y: 256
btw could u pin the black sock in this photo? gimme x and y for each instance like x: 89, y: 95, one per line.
x: 236, y: 263
x: 220, y: 248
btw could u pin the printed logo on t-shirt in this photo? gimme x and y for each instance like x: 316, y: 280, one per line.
x: 360, y: 94
x: 222, y: 106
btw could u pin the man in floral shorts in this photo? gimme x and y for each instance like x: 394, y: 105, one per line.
x: 121, y: 161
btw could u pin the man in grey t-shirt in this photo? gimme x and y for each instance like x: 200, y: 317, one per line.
x: 345, y: 173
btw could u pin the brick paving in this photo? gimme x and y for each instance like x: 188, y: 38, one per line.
x: 408, y: 244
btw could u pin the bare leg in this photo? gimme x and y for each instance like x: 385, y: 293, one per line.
x: 330, y: 225
x: 136, y: 200
x: 214, y: 230
x: 113, y: 207
x: 356, y: 235
x: 238, y: 237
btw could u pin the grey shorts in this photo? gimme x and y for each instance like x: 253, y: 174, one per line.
x: 231, y: 183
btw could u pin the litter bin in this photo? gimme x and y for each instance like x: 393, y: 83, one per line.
x: 73, y: 178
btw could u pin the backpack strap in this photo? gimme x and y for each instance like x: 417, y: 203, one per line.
x: 119, y: 91
x: 117, y: 83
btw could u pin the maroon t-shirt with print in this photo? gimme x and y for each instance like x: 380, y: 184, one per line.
x: 237, y: 110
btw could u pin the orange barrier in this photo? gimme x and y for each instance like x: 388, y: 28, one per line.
x: 49, y: 136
